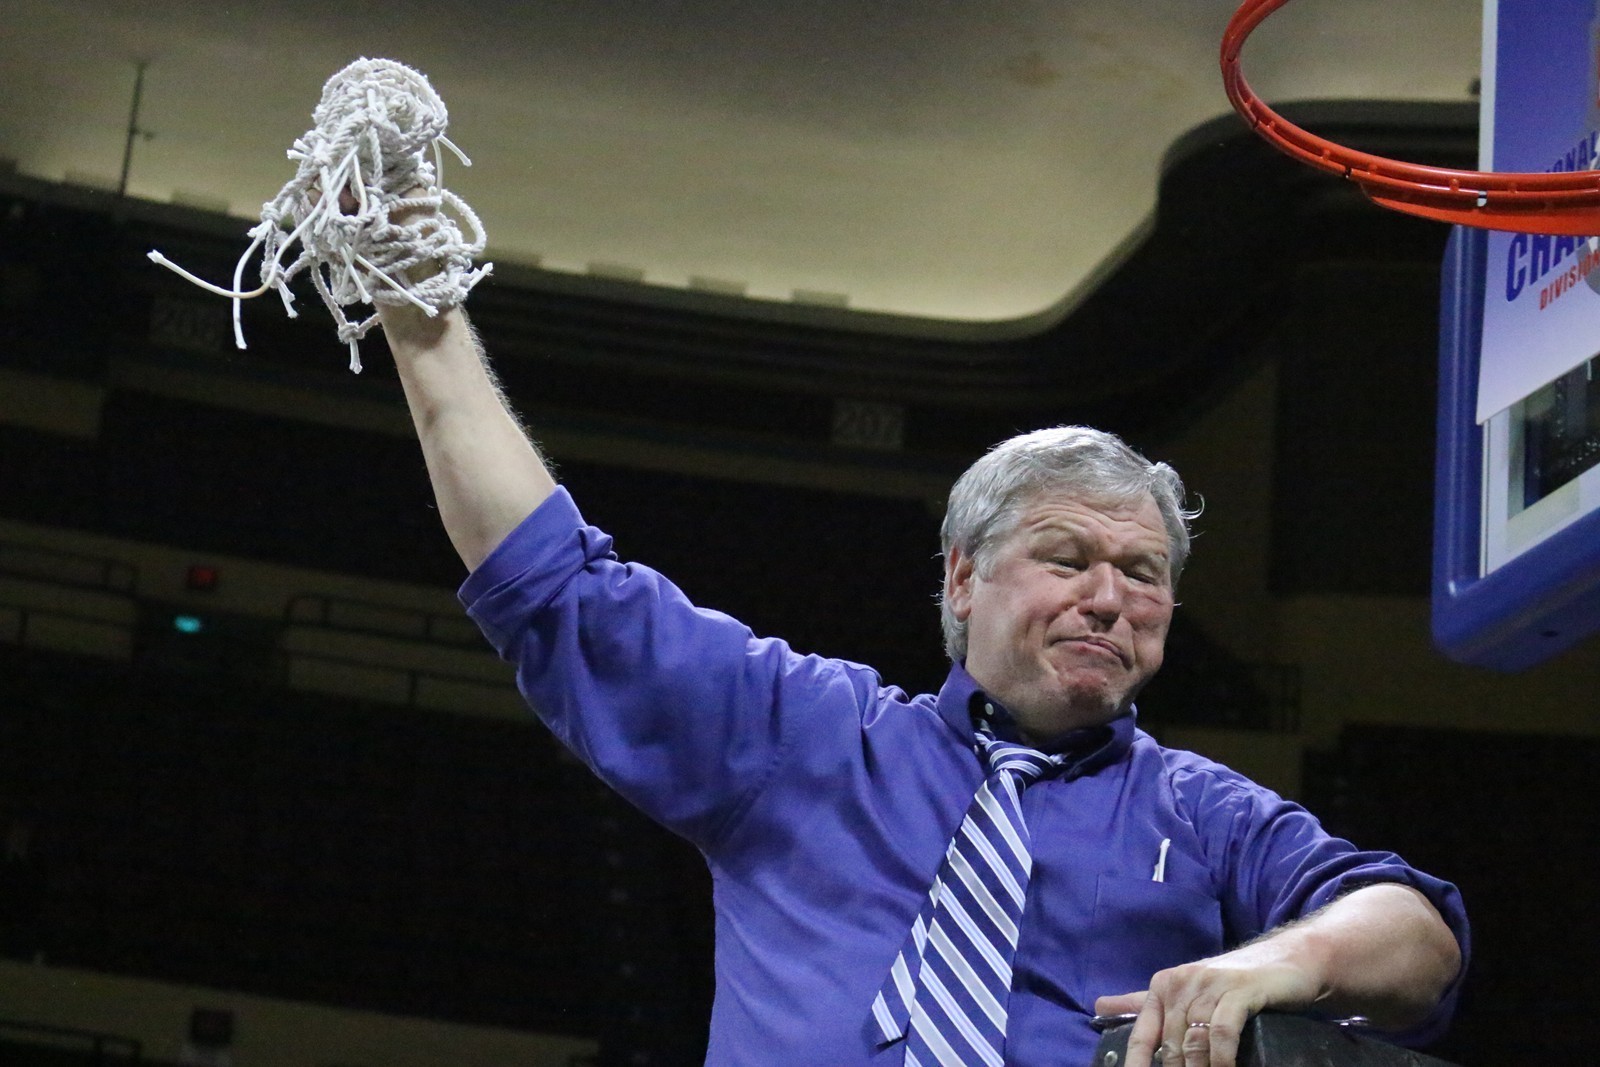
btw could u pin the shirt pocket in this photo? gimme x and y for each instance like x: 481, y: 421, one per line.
x: 1142, y: 926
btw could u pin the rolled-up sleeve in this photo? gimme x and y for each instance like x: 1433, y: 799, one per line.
x: 1282, y: 865
x: 682, y: 710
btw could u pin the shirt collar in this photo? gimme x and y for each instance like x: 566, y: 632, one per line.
x: 962, y: 702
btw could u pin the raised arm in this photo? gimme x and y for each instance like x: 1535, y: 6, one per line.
x: 1382, y: 952
x: 487, y: 475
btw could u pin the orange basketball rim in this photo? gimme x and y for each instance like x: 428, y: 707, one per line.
x: 1565, y: 203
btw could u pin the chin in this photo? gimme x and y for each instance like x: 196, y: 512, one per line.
x: 1079, y: 709
x: 1095, y: 696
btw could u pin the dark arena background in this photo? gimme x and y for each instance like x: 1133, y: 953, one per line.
x: 260, y: 781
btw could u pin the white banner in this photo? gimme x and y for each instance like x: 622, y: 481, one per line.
x: 1541, y: 301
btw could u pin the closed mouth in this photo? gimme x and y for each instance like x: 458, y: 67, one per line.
x: 1102, y: 643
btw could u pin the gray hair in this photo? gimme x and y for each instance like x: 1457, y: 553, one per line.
x: 987, y: 502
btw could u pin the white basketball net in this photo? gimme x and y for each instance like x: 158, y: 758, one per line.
x: 375, y: 122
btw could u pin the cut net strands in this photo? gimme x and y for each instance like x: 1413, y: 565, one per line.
x: 1562, y: 203
x: 373, y: 128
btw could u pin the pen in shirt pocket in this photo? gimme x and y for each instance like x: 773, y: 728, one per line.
x: 1160, y: 874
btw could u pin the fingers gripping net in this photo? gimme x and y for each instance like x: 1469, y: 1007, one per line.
x: 369, y: 148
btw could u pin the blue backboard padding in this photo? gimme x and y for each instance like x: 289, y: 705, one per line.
x: 1546, y: 599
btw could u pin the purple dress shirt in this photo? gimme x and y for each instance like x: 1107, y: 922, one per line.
x: 823, y: 801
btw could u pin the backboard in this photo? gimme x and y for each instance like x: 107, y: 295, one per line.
x: 1517, y: 515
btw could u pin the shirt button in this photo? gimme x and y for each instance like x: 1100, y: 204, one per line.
x: 988, y: 711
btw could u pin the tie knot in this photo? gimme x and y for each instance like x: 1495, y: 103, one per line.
x: 1026, y: 765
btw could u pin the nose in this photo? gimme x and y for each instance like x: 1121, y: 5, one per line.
x: 1102, y: 594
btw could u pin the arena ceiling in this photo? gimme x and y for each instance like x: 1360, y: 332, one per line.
x: 949, y: 163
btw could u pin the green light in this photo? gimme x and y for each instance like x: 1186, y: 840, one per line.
x: 188, y: 624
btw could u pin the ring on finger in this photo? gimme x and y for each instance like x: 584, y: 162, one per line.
x: 1199, y: 1025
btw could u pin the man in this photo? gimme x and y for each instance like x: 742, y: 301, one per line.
x: 840, y: 817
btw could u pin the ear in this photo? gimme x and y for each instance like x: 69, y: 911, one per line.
x: 959, y: 574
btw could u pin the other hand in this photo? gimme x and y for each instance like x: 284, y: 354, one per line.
x: 1194, y: 1015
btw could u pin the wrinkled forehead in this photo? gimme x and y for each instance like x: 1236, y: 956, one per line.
x: 1067, y: 506
x: 1131, y: 524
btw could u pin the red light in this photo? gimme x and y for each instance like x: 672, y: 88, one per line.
x: 202, y: 578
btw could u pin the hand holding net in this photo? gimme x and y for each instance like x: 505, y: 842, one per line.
x: 366, y: 206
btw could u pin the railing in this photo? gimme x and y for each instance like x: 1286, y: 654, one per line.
x: 90, y: 607
x: 104, y: 1048
x: 66, y: 631
x: 94, y: 610
x: 59, y: 630
x: 427, y: 687
x: 412, y: 687
x: 68, y: 568
x: 1276, y: 1040
x: 382, y: 620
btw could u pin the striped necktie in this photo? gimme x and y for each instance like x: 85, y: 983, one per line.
x: 947, y: 991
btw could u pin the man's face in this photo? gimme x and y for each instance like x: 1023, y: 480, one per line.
x: 1071, y: 618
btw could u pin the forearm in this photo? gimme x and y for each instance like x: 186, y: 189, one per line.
x: 1382, y: 952
x: 487, y: 476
